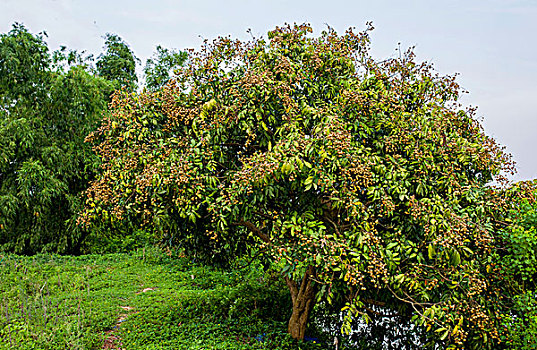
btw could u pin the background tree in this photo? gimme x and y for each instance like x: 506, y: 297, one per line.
x: 44, y: 164
x: 117, y: 63
x: 159, y: 69
x: 364, y: 183
x: 515, y: 262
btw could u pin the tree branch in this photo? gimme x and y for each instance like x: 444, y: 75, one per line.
x: 292, y: 288
x: 254, y: 229
x: 266, y: 216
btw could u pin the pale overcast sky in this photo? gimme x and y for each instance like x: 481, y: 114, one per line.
x: 491, y: 43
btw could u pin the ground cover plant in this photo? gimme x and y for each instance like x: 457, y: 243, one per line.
x: 363, y: 183
x: 145, y: 300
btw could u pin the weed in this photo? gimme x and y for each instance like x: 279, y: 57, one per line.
x: 58, y: 302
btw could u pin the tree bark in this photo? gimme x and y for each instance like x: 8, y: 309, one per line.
x: 303, y: 298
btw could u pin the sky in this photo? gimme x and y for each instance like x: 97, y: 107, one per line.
x: 490, y: 43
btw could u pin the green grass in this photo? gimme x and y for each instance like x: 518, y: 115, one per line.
x: 56, y: 302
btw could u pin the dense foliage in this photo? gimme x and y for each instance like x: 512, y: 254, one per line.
x: 159, y: 69
x: 49, y: 103
x: 363, y: 182
x: 45, y: 113
x: 515, y: 258
x: 117, y: 63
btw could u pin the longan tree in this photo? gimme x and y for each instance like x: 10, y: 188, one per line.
x: 363, y: 182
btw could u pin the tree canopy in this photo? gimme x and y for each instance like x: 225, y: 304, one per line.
x: 365, y: 183
x: 49, y: 103
x: 45, y: 115
x: 118, y: 62
x: 159, y: 68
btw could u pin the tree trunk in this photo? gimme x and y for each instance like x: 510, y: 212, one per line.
x: 303, y: 295
x: 303, y: 298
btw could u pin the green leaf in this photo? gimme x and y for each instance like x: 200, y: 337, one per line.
x: 455, y: 257
x: 444, y: 336
x: 430, y: 251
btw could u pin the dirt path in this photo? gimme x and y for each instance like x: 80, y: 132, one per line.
x: 113, y: 340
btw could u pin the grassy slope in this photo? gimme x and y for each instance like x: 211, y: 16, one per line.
x: 53, y: 302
